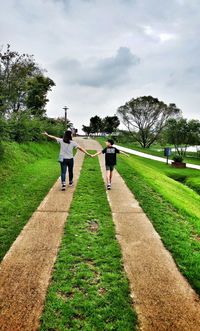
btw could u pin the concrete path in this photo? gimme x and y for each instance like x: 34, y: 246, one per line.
x: 162, y: 297
x: 26, y: 269
x: 152, y: 157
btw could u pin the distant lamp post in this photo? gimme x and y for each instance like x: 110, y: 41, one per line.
x: 65, y: 109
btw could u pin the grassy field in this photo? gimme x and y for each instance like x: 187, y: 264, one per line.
x: 27, y: 172
x: 89, y: 289
x: 173, y: 208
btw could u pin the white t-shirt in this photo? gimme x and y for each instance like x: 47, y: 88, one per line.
x: 66, y: 150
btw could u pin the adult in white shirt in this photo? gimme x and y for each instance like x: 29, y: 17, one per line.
x: 66, y: 157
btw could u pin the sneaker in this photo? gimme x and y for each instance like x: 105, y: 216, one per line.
x: 70, y: 184
x: 63, y: 186
x: 108, y: 186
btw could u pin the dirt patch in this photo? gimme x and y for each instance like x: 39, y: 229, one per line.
x: 93, y: 226
x: 196, y: 237
x: 65, y: 296
x: 102, y: 291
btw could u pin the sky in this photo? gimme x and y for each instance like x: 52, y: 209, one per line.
x: 102, y: 53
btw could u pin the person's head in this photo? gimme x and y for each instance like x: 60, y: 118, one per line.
x: 109, y: 142
x: 67, y: 136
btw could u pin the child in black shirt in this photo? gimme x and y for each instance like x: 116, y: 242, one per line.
x: 110, y: 159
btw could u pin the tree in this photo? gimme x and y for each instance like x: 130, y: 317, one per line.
x: 37, y: 89
x: 145, y: 117
x: 95, y: 124
x: 110, y: 124
x: 22, y: 83
x: 86, y: 129
x: 182, y: 133
x: 14, y: 70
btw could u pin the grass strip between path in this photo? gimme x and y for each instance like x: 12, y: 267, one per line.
x: 89, y: 288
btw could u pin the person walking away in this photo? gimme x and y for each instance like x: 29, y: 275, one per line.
x: 110, y: 159
x: 66, y: 157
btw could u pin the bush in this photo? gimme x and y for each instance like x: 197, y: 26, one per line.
x: 24, y: 127
x: 178, y: 158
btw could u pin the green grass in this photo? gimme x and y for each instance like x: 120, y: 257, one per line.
x: 194, y: 183
x: 89, y: 289
x: 27, y: 172
x: 173, y: 208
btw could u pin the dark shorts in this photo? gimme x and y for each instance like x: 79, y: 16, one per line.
x: 110, y: 167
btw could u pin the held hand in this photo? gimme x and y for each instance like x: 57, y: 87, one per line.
x: 45, y: 133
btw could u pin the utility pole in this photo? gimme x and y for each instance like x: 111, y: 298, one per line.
x: 65, y: 109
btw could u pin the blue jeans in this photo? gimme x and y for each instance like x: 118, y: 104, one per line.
x: 67, y: 163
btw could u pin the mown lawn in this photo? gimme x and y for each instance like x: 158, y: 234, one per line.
x: 172, y: 207
x: 27, y: 172
x: 89, y: 289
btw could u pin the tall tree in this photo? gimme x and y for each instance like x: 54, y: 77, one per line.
x: 37, y: 89
x: 86, y: 129
x: 22, y: 83
x: 96, y: 124
x: 110, y: 124
x: 14, y: 70
x: 145, y: 117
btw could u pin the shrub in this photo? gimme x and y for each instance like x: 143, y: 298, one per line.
x: 24, y: 127
x: 178, y: 158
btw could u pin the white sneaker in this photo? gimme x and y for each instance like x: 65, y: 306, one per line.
x: 109, y: 187
x: 63, y: 187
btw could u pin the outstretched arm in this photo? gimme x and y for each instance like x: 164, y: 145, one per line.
x: 49, y: 136
x: 83, y: 150
x: 121, y: 152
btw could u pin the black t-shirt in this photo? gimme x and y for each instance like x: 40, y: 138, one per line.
x: 110, y: 155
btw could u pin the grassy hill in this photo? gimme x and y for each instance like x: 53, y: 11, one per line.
x: 27, y: 172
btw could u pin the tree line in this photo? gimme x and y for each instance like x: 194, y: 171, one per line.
x: 99, y: 125
x: 148, y: 121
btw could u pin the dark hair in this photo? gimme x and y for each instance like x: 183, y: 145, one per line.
x: 67, y: 136
x: 111, y: 141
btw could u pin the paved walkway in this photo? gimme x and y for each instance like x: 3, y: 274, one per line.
x: 152, y: 157
x: 26, y: 268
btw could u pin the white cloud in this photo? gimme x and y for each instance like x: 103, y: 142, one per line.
x: 97, y: 45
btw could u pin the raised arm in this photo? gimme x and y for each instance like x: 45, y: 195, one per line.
x: 49, y: 136
x: 121, y: 152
